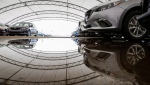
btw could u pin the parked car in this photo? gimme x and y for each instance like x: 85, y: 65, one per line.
x: 22, y: 28
x: 3, y: 29
x: 115, y: 17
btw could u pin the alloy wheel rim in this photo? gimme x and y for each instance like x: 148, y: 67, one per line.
x: 135, y: 28
x: 134, y: 54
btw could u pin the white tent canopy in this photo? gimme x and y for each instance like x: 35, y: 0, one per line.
x: 26, y: 10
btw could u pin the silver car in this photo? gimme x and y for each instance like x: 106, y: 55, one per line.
x: 22, y: 28
x: 115, y: 17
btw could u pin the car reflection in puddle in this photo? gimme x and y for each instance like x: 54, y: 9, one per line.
x: 96, y: 62
x: 119, y: 59
x: 23, y: 43
x: 19, y: 43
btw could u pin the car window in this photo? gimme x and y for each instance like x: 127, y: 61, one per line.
x: 21, y: 24
x: 16, y: 24
x: 25, y: 24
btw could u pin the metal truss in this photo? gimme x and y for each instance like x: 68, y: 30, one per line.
x: 42, y: 2
x: 68, y: 56
x: 52, y: 18
x: 45, y: 12
x: 70, y: 81
x: 41, y: 67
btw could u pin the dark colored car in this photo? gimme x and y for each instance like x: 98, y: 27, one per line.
x: 22, y: 28
x: 3, y: 29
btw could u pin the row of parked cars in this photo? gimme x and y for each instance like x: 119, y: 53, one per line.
x: 20, y: 28
x: 114, y: 18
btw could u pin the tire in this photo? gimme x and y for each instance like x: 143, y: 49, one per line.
x: 36, y: 34
x: 129, y: 57
x: 132, y: 30
x: 29, y: 33
x: 5, y: 33
x: 79, y: 50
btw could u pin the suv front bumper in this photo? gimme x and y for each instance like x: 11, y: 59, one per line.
x: 103, y: 21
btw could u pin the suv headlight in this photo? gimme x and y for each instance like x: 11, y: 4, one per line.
x: 108, y: 6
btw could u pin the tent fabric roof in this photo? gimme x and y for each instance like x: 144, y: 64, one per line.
x: 30, y: 10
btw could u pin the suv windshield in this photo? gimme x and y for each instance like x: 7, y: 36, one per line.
x: 21, y: 24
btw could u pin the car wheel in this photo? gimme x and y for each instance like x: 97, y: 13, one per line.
x: 132, y: 54
x: 36, y: 33
x: 29, y: 33
x: 131, y: 28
